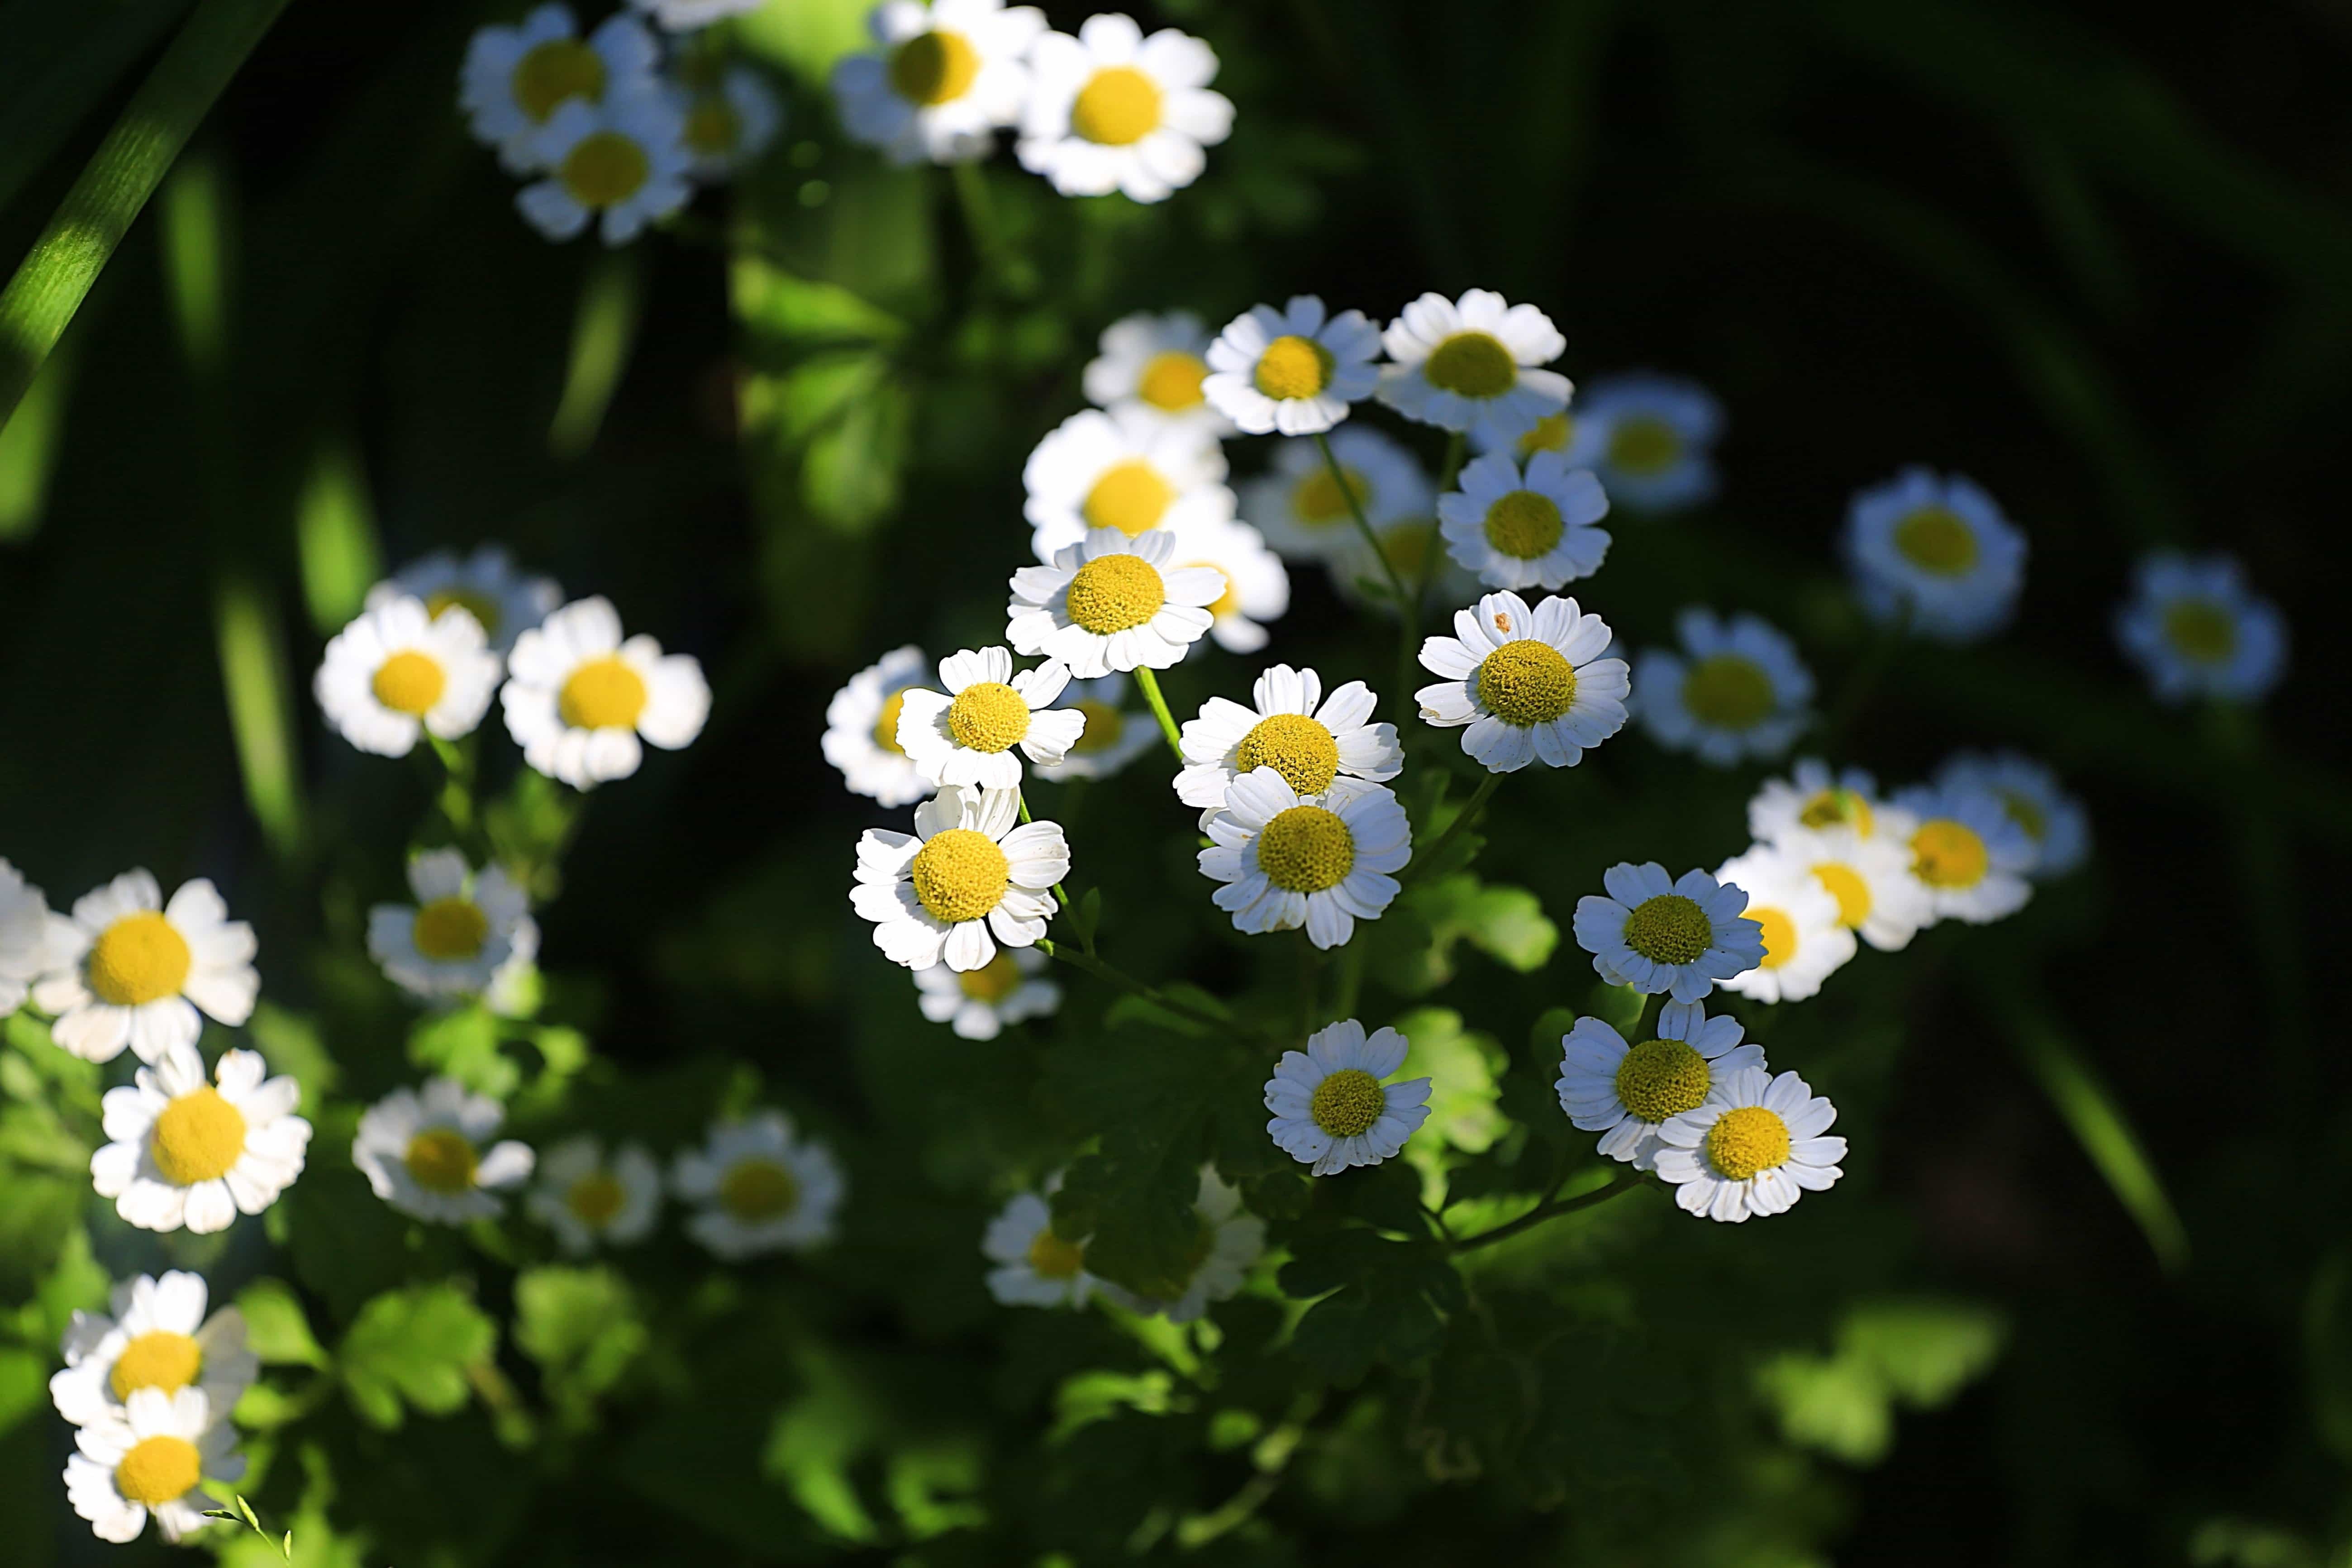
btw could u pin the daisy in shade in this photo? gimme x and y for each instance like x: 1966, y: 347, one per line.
x: 1292, y: 727
x: 1318, y: 862
x: 1813, y: 798
x: 1303, y: 512
x: 979, y: 1003
x: 27, y: 931
x: 401, y: 672
x: 970, y: 876
x: 129, y: 969
x: 1626, y: 1092
x: 1417, y: 551
x: 729, y: 122
x: 945, y: 78
x: 861, y: 729
x: 1151, y: 369
x: 1805, y: 940
x: 428, y: 1154
x: 620, y: 164
x: 1651, y: 439
x: 1971, y: 855
x: 462, y: 929
x: 1756, y: 1146
x: 757, y: 1188
x: 1734, y: 688
x: 1680, y: 936
x: 1115, y: 735
x: 1295, y: 370
x: 1121, y: 471
x: 684, y: 16
x: 1227, y: 1243
x: 1936, y: 553
x: 578, y: 699
x: 1112, y: 603
x: 183, y: 1151
x: 1878, y: 897
x: 1257, y: 589
x: 1332, y: 1111
x: 589, y: 1199
x: 965, y: 735
x: 1561, y: 432
x: 1530, y: 685
x: 515, y: 79
x: 1471, y: 364
x: 152, y: 1457
x: 158, y: 1336
x: 503, y: 599
x: 1034, y: 1268
x: 2198, y: 630
x: 2029, y: 792
x: 1111, y: 110
x: 1525, y: 529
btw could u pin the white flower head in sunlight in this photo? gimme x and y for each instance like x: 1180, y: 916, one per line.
x: 1297, y: 370
x: 402, y: 671
x: 943, y: 80
x: 1150, y: 367
x: 1112, y: 603
x: 1256, y: 588
x: 1291, y: 726
x: 861, y: 729
x: 181, y: 1151
x: 1626, y: 1091
x: 966, y: 733
x: 1473, y: 364
x: 1122, y: 471
x: 428, y: 1153
x: 155, y: 1335
x: 579, y: 700
x: 1530, y: 685
x: 129, y: 969
x: 970, y: 876
x: 1320, y: 862
x: 1972, y: 856
x: 1755, y: 1146
x: 1679, y: 936
x: 1805, y: 938
x: 462, y: 929
x: 1332, y: 1111
x: 150, y: 1460
x: 1111, y: 110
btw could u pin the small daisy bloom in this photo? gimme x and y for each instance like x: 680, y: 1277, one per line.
x: 589, y: 1200
x: 157, y: 1336
x: 1034, y: 1268
x: 2198, y: 630
x: 183, y: 1151
x: 1417, y: 550
x: 1112, y: 603
x: 965, y: 734
x: 1321, y: 862
x: 757, y: 1188
x: 130, y: 969
x: 1256, y: 588
x: 623, y: 164
x: 2029, y: 792
x: 578, y: 698
x: 1530, y: 684
x: 427, y: 1153
x: 1756, y: 1146
x: 1681, y: 936
x: 1878, y: 897
x: 1561, y: 432
x: 971, y: 876
x: 684, y: 16
x: 1529, y: 528
x: 453, y: 940
x: 1151, y: 369
x: 504, y: 600
x: 1734, y: 688
x: 730, y: 123
x: 1651, y: 439
x: 28, y: 935
x: 1227, y: 1243
x: 1471, y: 364
x: 1303, y: 512
x: 1936, y: 552
x: 861, y: 729
x: 400, y: 672
x: 1295, y: 370
x: 1972, y: 855
x: 1805, y: 938
x: 1332, y: 1111
x: 1813, y: 798
x: 515, y: 79
x: 1111, y: 110
x: 1121, y: 471
x: 1290, y: 726
x: 979, y: 1003
x: 1114, y: 736
x: 1626, y: 1092
x: 946, y: 77
x: 152, y: 1456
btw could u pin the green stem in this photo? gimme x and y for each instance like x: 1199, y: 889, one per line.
x: 1536, y: 1215
x: 1471, y: 809
x: 1364, y: 527
x: 457, y: 796
x: 1351, y: 980
x: 997, y: 261
x: 1457, y: 447
x: 1132, y: 985
x: 1149, y: 684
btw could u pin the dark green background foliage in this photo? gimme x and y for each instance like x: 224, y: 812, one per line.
x: 2102, y: 260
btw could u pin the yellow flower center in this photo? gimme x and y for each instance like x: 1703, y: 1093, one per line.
x: 1947, y: 854
x: 886, y: 726
x: 1051, y: 1257
x: 603, y: 169
x: 1306, y: 849
x: 1228, y: 601
x: 933, y: 68
x: 1847, y: 887
x: 410, y: 682
x: 450, y: 930
x: 1667, y: 928
x: 1347, y: 1102
x: 1779, y: 935
x: 1119, y: 107
x: 1746, y: 1141
x: 712, y: 127
x: 1292, y: 366
x: 2200, y: 630
x: 959, y: 875
x: 1728, y: 691
x: 1131, y: 497
x: 1172, y: 380
x: 1319, y: 502
x: 1526, y: 683
x: 139, y: 959
x: 602, y: 694
x: 158, y: 1470
x: 2022, y: 810
x: 1643, y: 447
x: 1934, y: 539
x: 596, y: 1198
x: 1104, y: 724
x: 992, y: 982
x: 481, y: 606
x: 442, y: 1160
x: 988, y: 716
x: 554, y: 71
x: 1659, y: 1078
x: 1406, y: 545
x: 1116, y: 593
x: 758, y: 1190
x: 1473, y: 364
x: 198, y: 1137
x: 158, y: 1359
x: 1524, y: 524
x: 1837, y: 806
x: 1552, y: 433
x: 1298, y: 748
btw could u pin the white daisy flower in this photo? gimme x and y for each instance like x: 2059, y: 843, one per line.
x: 1295, y: 370
x: 1936, y: 551
x: 730, y: 121
x: 1256, y: 588
x: 2198, y: 630
x: 1470, y: 365
x: 1734, y: 688
x: 1813, y: 798
x: 1303, y: 512
x: 684, y: 16
x: 1973, y: 856
x: 1651, y: 439
x: 1227, y: 1243
x: 1417, y: 551
x: 965, y: 735
x: 1525, y: 529
x: 460, y: 931
x: 400, y: 672
x: 758, y: 1188
x: 1806, y: 939
x: 503, y: 599
x: 152, y: 1457
x: 1290, y: 726
x: 1878, y: 897
x: 1320, y: 862
x: 578, y: 698
x: 969, y: 876
x: 622, y: 165
x: 1560, y: 432
x: 1114, y: 736
x: 2029, y: 792
x: 946, y: 78
x: 861, y: 729
x: 130, y: 969
x: 427, y: 1153
x: 1332, y: 1111
x: 979, y: 1003
x: 1121, y: 471
x: 181, y: 1151
x: 157, y: 1337
x: 588, y: 1200
x: 515, y: 79
x: 1111, y: 110
x: 1151, y: 369
x: 1626, y: 1092
x: 1681, y: 936
x: 1530, y: 684
x: 1034, y: 1268
x: 1755, y: 1147
x: 1112, y: 603
x: 29, y: 938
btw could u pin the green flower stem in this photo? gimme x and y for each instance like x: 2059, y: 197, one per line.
x: 1024, y: 799
x: 1149, y: 684
x: 1132, y: 986
x: 1363, y: 523
x: 1351, y: 980
x: 1471, y: 810
x: 1551, y: 1209
x: 1458, y: 445
x: 457, y: 796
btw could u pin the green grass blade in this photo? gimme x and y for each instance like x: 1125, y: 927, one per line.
x: 29, y: 449
x: 602, y: 336
x: 260, y: 716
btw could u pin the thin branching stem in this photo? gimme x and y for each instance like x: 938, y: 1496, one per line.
x: 1536, y: 1215
x: 1470, y: 811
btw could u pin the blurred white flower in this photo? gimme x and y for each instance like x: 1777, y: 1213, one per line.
x: 589, y: 1200
x: 979, y: 1003
x: 758, y: 1188
x: 183, y: 1151
x: 622, y: 165
x: 946, y: 77
x: 578, y: 698
x: 2198, y: 630
x: 861, y: 729
x: 1303, y: 512
x: 464, y: 927
x: 1150, y: 367
x: 1805, y: 940
x: 1936, y: 553
x: 1525, y: 529
x: 1972, y: 856
x: 1034, y: 1268
x: 1125, y: 471
x: 157, y: 1336
x: 130, y: 969
x: 428, y: 1153
x: 151, y: 1458
x: 505, y: 600
x: 515, y: 79
x: 1734, y: 688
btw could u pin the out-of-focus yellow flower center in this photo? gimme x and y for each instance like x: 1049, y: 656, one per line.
x: 1473, y: 364
x: 554, y: 72
x: 1779, y: 936
x: 1643, y: 447
x: 198, y: 1137
x: 1104, y: 724
x: 757, y: 1189
x: 139, y: 959
x: 1051, y: 1257
x: 157, y: 1359
x: 1525, y: 524
x: 1727, y: 692
x: 603, y: 169
x: 1292, y: 366
x: 158, y: 1470
x: 988, y: 716
x: 409, y: 682
x: 2201, y: 629
x: 1526, y: 682
x: 1229, y: 597
x: 1318, y: 500
x: 1301, y: 750
x: 1347, y: 1102
x: 1119, y: 107
x: 1746, y: 1141
x: 1306, y: 849
x: 1172, y: 380
x: 1935, y: 540
x: 1552, y: 433
x: 1668, y: 928
x: 1659, y: 1078
x: 959, y: 874
x: 1835, y: 805
x: 596, y: 1197
x: 933, y: 68
x: 1131, y: 497
x: 713, y: 129
x: 992, y: 982
x: 2024, y: 811
x: 450, y: 930
x: 1407, y: 546
x: 442, y: 1160
x: 603, y: 693
x: 481, y: 606
x: 1948, y: 853
x: 885, y: 724
x: 1847, y: 887
x: 1116, y: 593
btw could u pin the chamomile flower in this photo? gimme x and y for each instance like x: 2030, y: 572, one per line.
x: 1257, y: 589
x: 1332, y: 1111
x: 155, y: 1335
x: 1310, y: 739
x: 1150, y: 368
x: 1680, y: 936
x: 1734, y: 688
x: 503, y: 599
x: 1121, y: 471
x: 1561, y: 432
x: 1321, y: 861
x: 861, y: 729
x: 2198, y: 630
x: 1115, y: 735
x: 515, y: 79
x: 1651, y: 439
x: 970, y: 876
x: 1471, y: 364
x: 1972, y: 856
x: 428, y: 1153
x: 620, y: 164
x: 1295, y: 370
x: 183, y: 1151
x: 1626, y: 1092
x: 965, y: 734
x: 28, y: 933
x: 151, y: 1458
x: 1530, y: 685
x: 401, y: 672
x: 1756, y: 1146
x: 578, y: 698
x: 1112, y: 603
x: 1936, y: 551
x: 1525, y: 529
x: 758, y: 1187
x: 1805, y: 939
x: 979, y: 1003
x: 1814, y: 797
x: 946, y: 77
x: 1415, y: 549
x: 1303, y: 512
x: 1034, y: 1268
x: 453, y: 940
x: 1111, y: 110
x: 1879, y: 898
x: 1227, y: 1243
x: 2029, y: 792
x: 730, y: 121
x: 130, y: 969
x: 684, y: 16
x: 589, y: 1199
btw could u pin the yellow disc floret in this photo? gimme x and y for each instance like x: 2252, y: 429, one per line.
x: 1835, y: 805
x: 1526, y: 683
x: 757, y: 1189
x: 1525, y: 524
x: 409, y: 682
x: 2201, y: 629
x: 1292, y: 366
x: 992, y: 982
x: 1119, y: 107
x: 1306, y: 849
x: 596, y: 1197
x: 1473, y: 364
x: 157, y: 1359
x: 1551, y: 433
x: 1347, y: 1102
x: 198, y: 1137
x: 603, y: 169
x: 959, y: 874
x: 139, y: 959
x: 1172, y: 380
x: 1935, y: 540
x: 885, y: 723
x: 1669, y: 929
x: 1116, y: 593
x: 1728, y: 690
x: 554, y: 72
x: 1847, y: 887
x: 1319, y: 500
x: 158, y: 1470
x: 442, y: 1160
x: 1051, y: 1257
x: 1301, y: 750
x: 988, y: 716
x: 1643, y: 447
x: 450, y: 930
x: 603, y: 693
x: 481, y: 606
x: 933, y: 68
x: 1104, y: 724
x: 1659, y: 1078
x: 1948, y: 853
x: 1746, y: 1141
x: 712, y: 127
x: 1779, y: 936
x: 1131, y: 497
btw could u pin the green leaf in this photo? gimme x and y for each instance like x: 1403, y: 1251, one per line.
x: 1386, y: 1302
x: 1461, y: 1066
x: 413, y: 1347
x: 275, y: 1326
x: 1925, y: 1350
x: 464, y: 1044
x: 335, y: 535
x: 583, y: 1327
x: 1836, y: 1406
x: 1506, y: 923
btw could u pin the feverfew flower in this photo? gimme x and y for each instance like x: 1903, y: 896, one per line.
x: 2029, y: 792
x: 181, y: 1151
x: 1626, y: 1092
x: 1973, y: 856
x: 1308, y: 739
x: 1112, y: 603
x: 400, y: 672
x: 758, y: 1188
x: 946, y: 76
x: 1651, y: 439
x: 1814, y: 797
x: 1302, y: 510
x: 971, y: 876
x: 1294, y: 369
x: 1115, y: 735
x: 1229, y: 1242
x: 427, y: 1153
x: 2198, y: 630
x: 1034, y: 1268
x: 1257, y: 589
x: 504, y: 600
x: 1878, y: 897
x: 1734, y: 688
x: 464, y: 926
x: 1151, y: 367
x: 1111, y: 110
x: 588, y: 1200
x: 130, y: 969
x: 1531, y: 528
x: 157, y: 1337
x: 1321, y: 862
x: 152, y: 1457
x: 1938, y: 552
x: 979, y: 1003
x: 623, y: 164
x: 1804, y: 939
x: 965, y: 735
x: 515, y: 79
x: 861, y: 729
x: 1122, y: 471
x: 1756, y: 1146
x: 1330, y: 1109
x: 1530, y: 685
x: 1680, y: 936
x: 28, y: 933
x: 578, y: 698
x: 730, y: 121
x: 1470, y: 365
